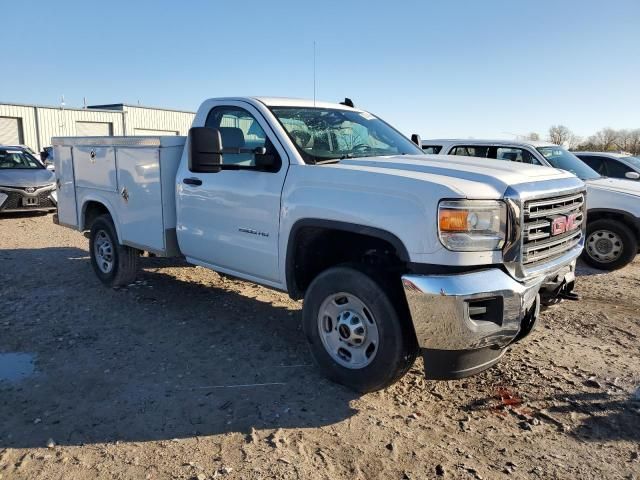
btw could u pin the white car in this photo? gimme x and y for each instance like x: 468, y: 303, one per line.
x: 393, y: 252
x: 613, y: 165
x: 613, y: 205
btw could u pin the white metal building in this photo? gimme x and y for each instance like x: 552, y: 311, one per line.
x: 34, y: 125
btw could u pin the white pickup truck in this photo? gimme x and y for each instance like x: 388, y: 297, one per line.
x: 395, y: 252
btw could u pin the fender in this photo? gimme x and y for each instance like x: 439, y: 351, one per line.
x: 389, y: 237
x: 630, y: 219
x: 103, y: 200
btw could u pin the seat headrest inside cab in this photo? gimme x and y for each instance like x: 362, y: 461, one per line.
x: 232, y: 137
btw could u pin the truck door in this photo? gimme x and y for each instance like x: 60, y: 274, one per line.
x: 65, y: 186
x: 230, y: 220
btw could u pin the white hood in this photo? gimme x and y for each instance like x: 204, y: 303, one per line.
x: 458, y: 172
x: 630, y: 187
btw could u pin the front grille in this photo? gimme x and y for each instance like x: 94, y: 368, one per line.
x: 551, y: 227
x: 14, y: 202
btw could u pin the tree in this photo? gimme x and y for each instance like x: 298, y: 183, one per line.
x: 606, y: 139
x: 561, y: 135
x: 628, y: 141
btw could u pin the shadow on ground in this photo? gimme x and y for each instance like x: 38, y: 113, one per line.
x: 166, y: 358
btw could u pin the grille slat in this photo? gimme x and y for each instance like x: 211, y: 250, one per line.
x: 14, y: 202
x: 542, y: 241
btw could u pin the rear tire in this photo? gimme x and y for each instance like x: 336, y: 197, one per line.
x: 114, y: 264
x: 356, y: 330
x: 610, y: 244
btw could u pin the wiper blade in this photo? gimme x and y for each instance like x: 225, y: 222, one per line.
x: 331, y: 160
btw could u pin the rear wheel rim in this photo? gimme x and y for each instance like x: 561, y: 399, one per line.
x: 103, y: 251
x: 604, y: 246
x: 348, y: 330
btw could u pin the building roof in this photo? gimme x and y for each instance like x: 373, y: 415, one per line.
x: 109, y: 107
x: 121, y: 106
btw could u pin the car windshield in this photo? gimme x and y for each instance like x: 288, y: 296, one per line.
x: 328, y: 134
x: 558, y: 157
x: 17, y: 159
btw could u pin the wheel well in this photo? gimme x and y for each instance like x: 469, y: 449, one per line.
x: 93, y: 210
x: 313, y: 249
x: 614, y: 215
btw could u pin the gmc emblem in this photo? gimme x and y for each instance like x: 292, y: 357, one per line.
x: 563, y: 224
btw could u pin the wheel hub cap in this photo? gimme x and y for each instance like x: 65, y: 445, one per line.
x: 348, y: 331
x: 604, y: 246
x: 103, y: 250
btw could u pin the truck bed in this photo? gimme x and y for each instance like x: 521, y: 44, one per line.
x: 133, y: 176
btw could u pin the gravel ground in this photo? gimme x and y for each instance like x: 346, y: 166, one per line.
x: 190, y: 374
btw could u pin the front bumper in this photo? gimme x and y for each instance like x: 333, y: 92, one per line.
x: 464, y: 322
x: 18, y: 199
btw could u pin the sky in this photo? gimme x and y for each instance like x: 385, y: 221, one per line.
x: 474, y: 68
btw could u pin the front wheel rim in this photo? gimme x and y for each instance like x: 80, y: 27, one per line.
x: 604, y: 246
x: 103, y: 251
x: 348, y: 330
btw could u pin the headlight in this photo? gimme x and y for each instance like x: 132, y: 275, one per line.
x: 472, y: 225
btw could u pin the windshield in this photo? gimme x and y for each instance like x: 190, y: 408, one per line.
x: 17, y: 159
x: 326, y: 134
x: 634, y: 161
x: 558, y: 157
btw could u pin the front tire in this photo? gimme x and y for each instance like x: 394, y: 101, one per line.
x: 355, y: 330
x: 114, y: 264
x: 610, y: 245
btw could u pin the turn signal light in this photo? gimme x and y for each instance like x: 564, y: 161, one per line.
x: 453, y: 220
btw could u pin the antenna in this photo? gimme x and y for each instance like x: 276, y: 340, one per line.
x: 61, y: 123
x: 314, y: 73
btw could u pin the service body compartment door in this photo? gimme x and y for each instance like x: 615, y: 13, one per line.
x: 140, y: 201
x: 65, y: 184
x: 95, y: 167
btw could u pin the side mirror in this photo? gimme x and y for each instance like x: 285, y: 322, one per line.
x: 50, y: 166
x: 266, y: 161
x: 415, y: 138
x: 632, y: 175
x: 205, y: 150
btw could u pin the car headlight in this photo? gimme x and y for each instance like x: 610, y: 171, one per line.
x: 472, y: 225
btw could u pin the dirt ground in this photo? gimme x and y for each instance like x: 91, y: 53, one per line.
x: 190, y: 374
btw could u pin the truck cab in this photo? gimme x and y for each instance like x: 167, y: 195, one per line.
x: 394, y: 252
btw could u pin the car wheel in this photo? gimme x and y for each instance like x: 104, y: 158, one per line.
x: 355, y: 329
x: 610, y: 244
x: 114, y: 264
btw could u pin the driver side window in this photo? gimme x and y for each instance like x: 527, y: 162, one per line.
x: 242, y: 137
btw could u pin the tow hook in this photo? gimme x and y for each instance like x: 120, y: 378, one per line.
x: 569, y: 295
x: 566, y: 291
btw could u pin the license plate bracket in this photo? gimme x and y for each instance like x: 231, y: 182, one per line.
x: 30, y: 202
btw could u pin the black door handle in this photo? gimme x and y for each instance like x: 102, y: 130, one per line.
x: 192, y: 181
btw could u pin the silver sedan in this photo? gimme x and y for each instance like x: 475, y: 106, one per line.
x: 25, y: 184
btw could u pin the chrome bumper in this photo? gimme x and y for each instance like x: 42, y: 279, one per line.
x: 441, y: 308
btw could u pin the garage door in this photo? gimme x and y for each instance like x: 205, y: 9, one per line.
x: 10, y: 131
x: 147, y: 131
x: 94, y: 129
